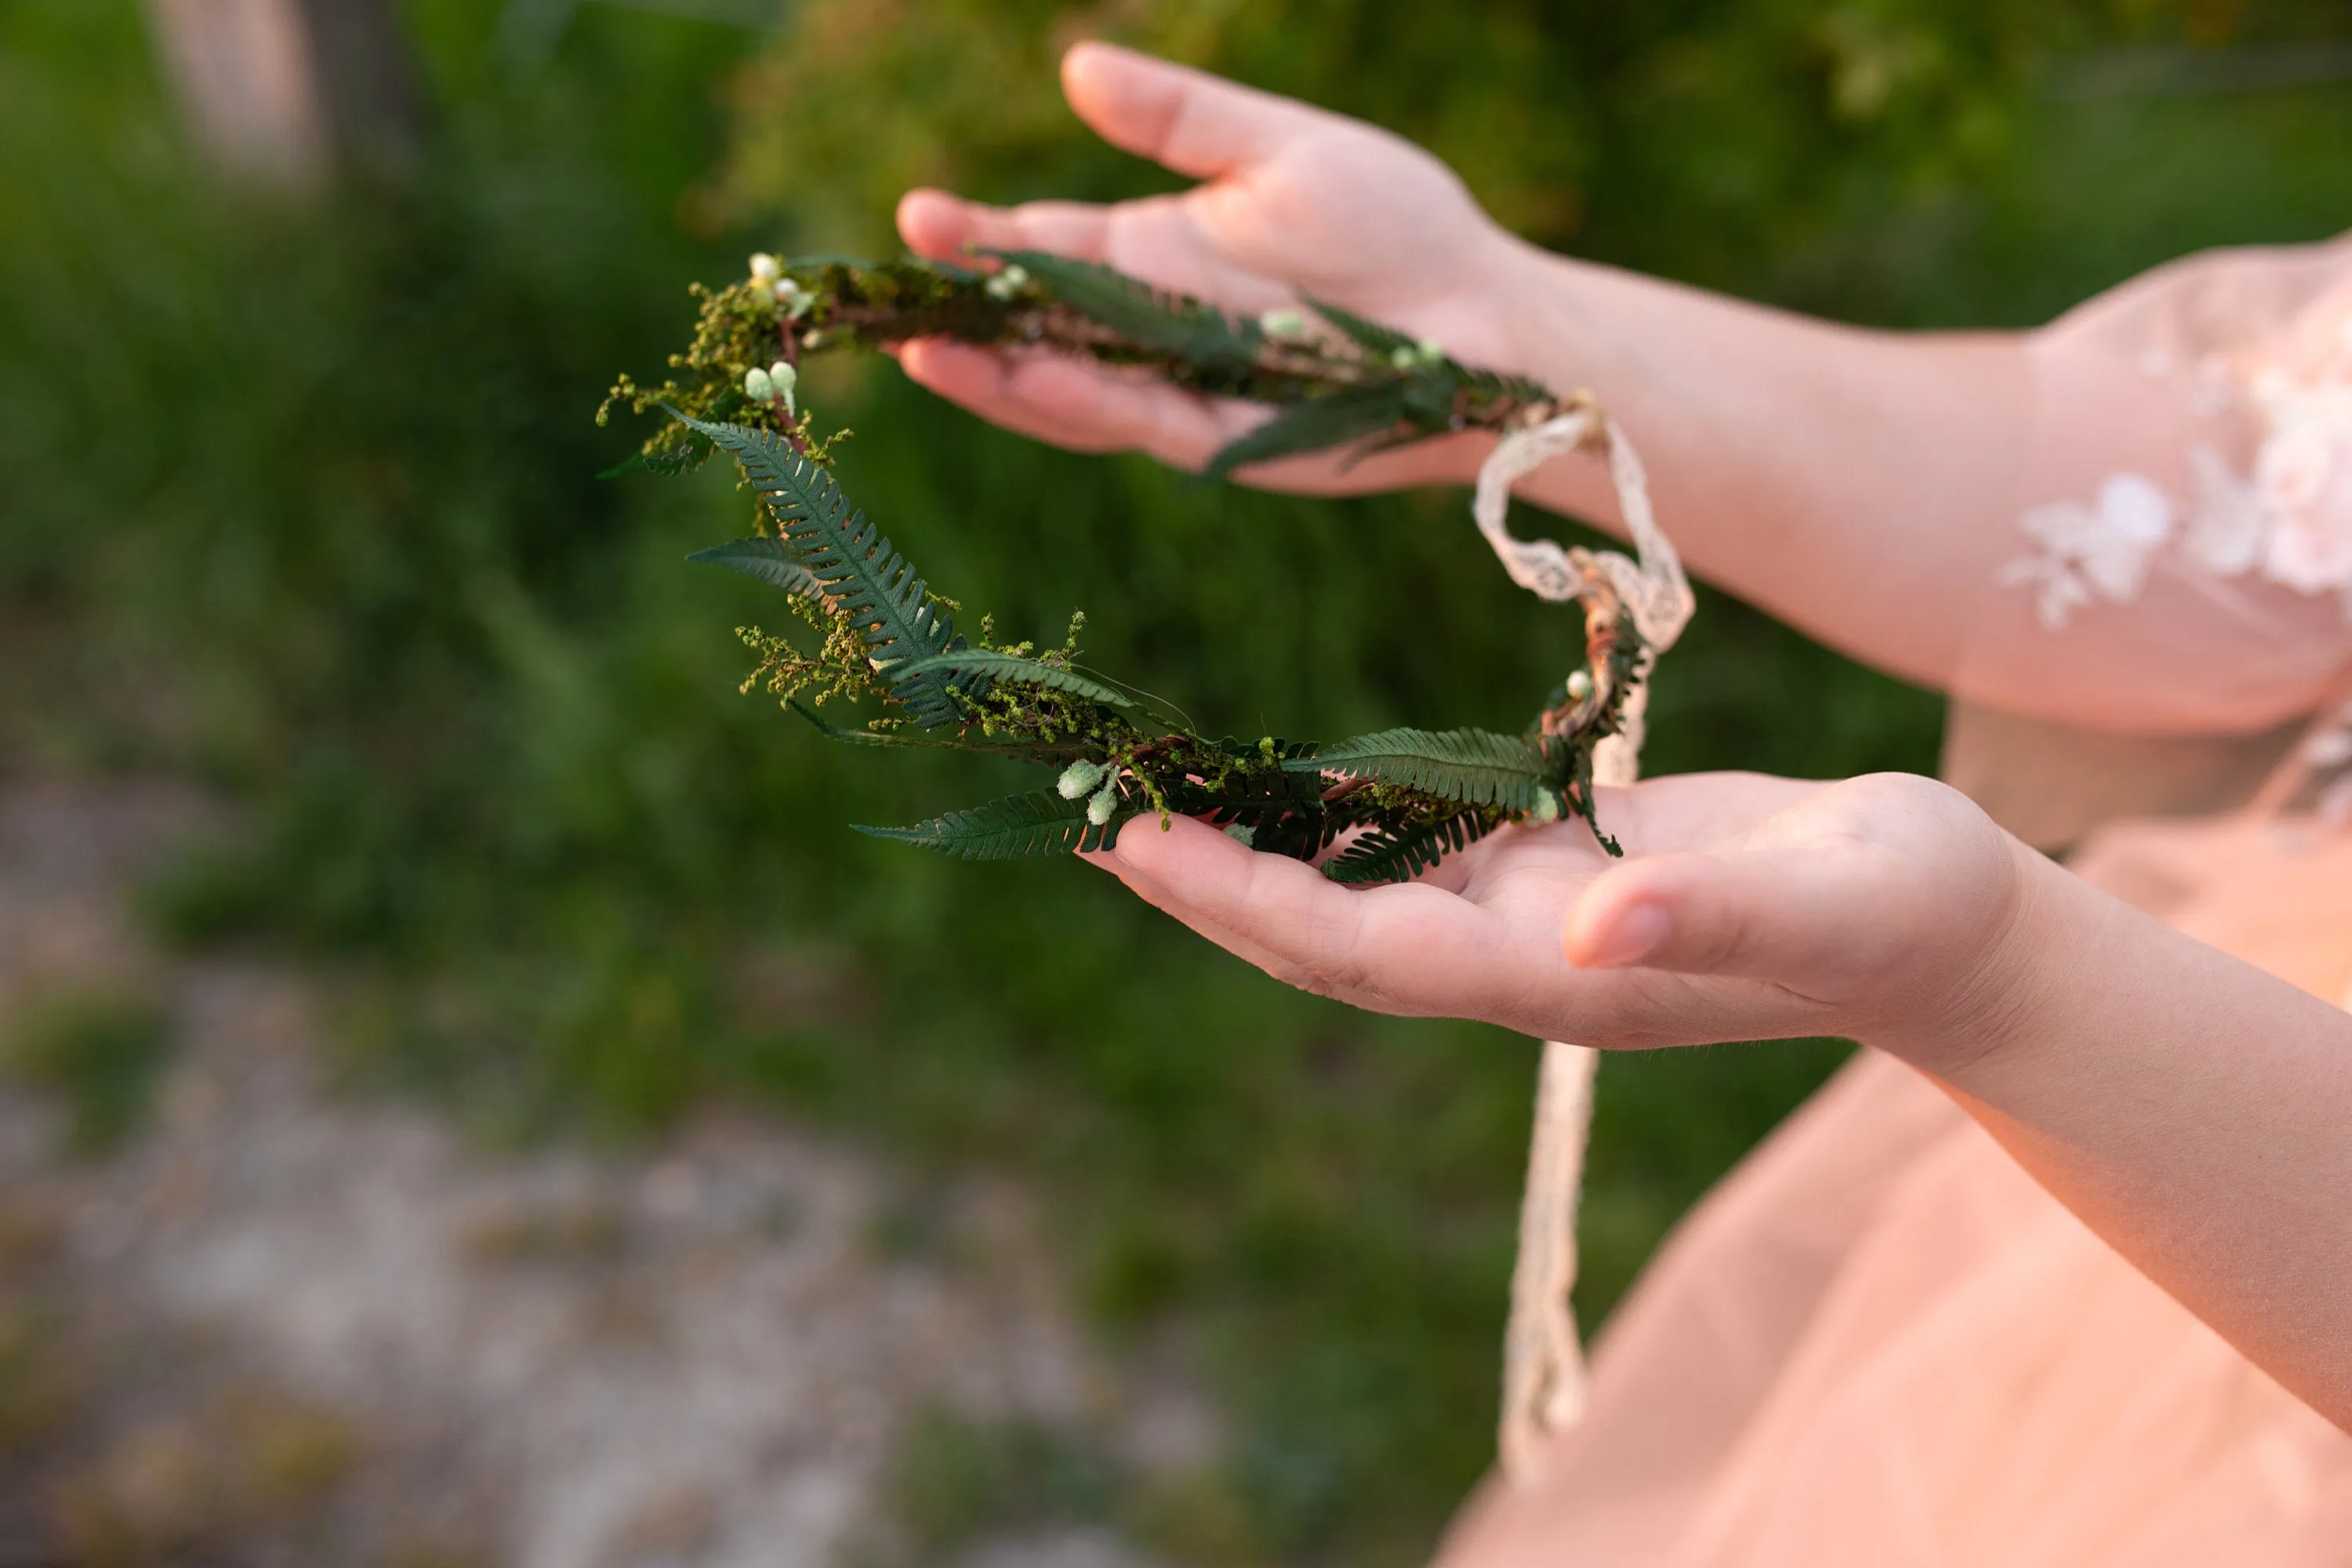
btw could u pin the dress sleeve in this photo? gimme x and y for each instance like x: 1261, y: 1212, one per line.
x: 2186, y: 508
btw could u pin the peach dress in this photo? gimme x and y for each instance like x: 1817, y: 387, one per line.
x: 1879, y: 1343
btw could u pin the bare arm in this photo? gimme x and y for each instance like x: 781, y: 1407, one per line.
x: 1864, y: 486
x: 2194, y: 1111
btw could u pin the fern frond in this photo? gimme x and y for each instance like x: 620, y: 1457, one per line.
x: 1374, y: 339
x: 1027, y: 751
x: 1175, y: 324
x: 766, y: 559
x: 1390, y: 855
x: 1475, y: 767
x: 1013, y: 828
x: 995, y: 666
x: 856, y: 568
x: 1333, y: 419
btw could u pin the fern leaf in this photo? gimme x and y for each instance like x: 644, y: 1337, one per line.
x: 853, y: 563
x: 1475, y: 767
x: 1386, y: 855
x: 1320, y: 422
x: 994, y: 665
x: 766, y: 559
x: 1013, y: 828
x: 1374, y: 339
x: 1027, y: 752
x: 1175, y: 324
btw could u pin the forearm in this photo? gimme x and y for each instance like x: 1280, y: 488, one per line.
x: 1850, y: 482
x: 2193, y: 1111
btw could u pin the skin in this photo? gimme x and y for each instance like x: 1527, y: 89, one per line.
x: 2191, y: 1109
x: 1840, y: 478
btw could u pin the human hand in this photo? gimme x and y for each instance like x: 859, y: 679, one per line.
x: 1886, y: 908
x: 1296, y: 201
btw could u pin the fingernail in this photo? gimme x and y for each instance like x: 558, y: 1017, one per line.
x: 1631, y: 937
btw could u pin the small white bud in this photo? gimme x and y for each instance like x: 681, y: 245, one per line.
x: 795, y: 299
x: 1243, y: 834
x: 758, y: 385
x: 1079, y: 778
x: 764, y: 268
x: 1580, y: 685
x: 1545, y: 808
x: 1430, y: 350
x: 1403, y: 359
x: 1284, y: 322
x: 1104, y: 802
x: 784, y: 378
x: 1007, y: 283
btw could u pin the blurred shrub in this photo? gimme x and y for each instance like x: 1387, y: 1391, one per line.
x: 309, y: 495
x: 100, y: 1052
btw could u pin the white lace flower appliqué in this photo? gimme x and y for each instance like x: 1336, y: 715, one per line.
x: 2100, y: 550
x: 2290, y: 520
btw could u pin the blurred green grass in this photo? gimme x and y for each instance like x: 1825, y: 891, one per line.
x: 300, y: 501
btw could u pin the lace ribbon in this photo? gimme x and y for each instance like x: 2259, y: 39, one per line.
x: 1543, y: 1362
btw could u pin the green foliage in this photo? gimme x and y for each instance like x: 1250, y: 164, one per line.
x: 1360, y: 382
x: 1473, y: 766
x: 956, y: 1480
x: 887, y: 639
x: 866, y: 584
x: 1397, y: 854
x: 1000, y: 667
x: 100, y: 1052
x: 1013, y: 828
x: 1334, y: 419
x: 767, y: 560
x: 1213, y: 348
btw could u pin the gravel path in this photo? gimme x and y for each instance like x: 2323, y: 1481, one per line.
x: 283, y: 1325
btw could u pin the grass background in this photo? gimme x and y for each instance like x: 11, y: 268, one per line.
x: 298, y: 499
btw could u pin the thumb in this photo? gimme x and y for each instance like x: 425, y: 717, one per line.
x: 1193, y: 122
x: 1819, y: 919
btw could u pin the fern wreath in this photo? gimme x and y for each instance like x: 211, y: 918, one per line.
x: 1371, y: 809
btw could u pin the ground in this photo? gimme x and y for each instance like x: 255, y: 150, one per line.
x: 249, y: 1315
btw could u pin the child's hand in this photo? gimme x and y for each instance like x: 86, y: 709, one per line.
x: 1296, y: 201
x: 1885, y: 908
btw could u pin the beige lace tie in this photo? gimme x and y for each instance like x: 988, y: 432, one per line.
x: 1543, y: 1363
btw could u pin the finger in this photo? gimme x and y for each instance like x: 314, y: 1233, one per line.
x: 944, y: 227
x: 1692, y: 811
x: 1407, y: 949
x: 1193, y: 122
x: 1806, y: 919
x: 1073, y: 404
x: 1087, y: 408
x: 1151, y: 893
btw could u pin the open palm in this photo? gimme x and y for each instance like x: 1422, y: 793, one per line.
x: 1296, y: 201
x: 1746, y: 908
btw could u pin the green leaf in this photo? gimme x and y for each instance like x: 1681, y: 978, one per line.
x: 1374, y: 339
x: 1332, y: 420
x: 766, y: 559
x: 1013, y: 828
x: 1387, y: 855
x: 1477, y: 767
x: 998, y: 666
x: 1175, y: 324
x: 1067, y: 752
x: 869, y: 581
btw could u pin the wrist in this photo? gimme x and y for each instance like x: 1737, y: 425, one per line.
x: 1536, y: 318
x: 2000, y: 997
